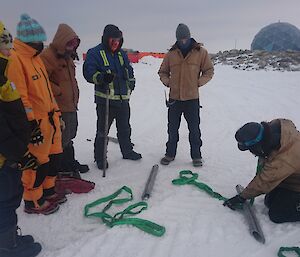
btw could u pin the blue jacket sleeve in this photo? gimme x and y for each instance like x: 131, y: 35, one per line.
x: 130, y: 73
x: 91, y: 69
x: 128, y: 66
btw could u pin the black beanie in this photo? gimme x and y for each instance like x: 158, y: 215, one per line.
x: 182, y: 32
x: 112, y: 31
x: 249, y: 135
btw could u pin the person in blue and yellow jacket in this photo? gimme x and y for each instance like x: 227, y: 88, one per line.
x: 14, y: 157
x: 29, y: 74
x: 107, y: 66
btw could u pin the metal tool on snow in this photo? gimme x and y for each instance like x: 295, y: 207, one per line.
x: 150, y: 183
x: 105, y: 133
x: 254, y: 227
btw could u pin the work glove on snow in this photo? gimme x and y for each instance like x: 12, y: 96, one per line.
x: 37, y: 137
x: 28, y: 161
x: 235, y: 202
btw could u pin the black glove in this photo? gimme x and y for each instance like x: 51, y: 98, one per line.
x: 28, y: 161
x: 3, y: 65
x: 131, y: 85
x: 235, y: 202
x: 37, y: 137
x: 108, y: 77
x: 74, y: 56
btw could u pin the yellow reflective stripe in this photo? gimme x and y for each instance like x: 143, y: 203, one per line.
x: 104, y: 58
x: 111, y: 88
x: 112, y: 97
x: 95, y: 77
x: 121, y: 60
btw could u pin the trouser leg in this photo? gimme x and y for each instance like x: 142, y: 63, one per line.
x: 174, y: 118
x: 284, y: 205
x: 100, y: 133
x: 33, y: 188
x: 68, y: 163
x: 124, y: 128
x: 54, y: 168
x: 11, y: 190
x: 192, y: 115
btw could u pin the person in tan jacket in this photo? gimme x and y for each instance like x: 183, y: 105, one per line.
x: 277, y: 144
x: 185, y: 68
x: 58, y: 60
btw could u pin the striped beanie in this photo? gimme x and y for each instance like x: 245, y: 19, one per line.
x: 29, y: 30
x: 5, y: 38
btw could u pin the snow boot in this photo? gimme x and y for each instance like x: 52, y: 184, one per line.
x: 166, y: 160
x: 69, y: 164
x: 74, y: 174
x: 197, y: 162
x: 46, y: 208
x: 20, y: 239
x: 68, y: 185
x: 56, y: 198
x: 132, y: 156
x: 11, y: 247
x: 82, y: 168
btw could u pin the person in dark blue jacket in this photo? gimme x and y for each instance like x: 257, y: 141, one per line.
x: 107, y: 67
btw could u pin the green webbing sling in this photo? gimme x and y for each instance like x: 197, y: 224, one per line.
x: 288, y: 249
x: 188, y: 177
x: 120, y: 218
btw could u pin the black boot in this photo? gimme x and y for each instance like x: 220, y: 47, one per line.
x: 10, y: 246
x: 20, y: 239
x: 82, y: 168
x: 69, y: 163
x: 132, y: 156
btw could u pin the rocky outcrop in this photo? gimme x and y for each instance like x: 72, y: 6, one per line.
x: 259, y: 60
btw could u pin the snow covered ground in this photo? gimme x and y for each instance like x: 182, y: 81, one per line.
x: 196, y: 224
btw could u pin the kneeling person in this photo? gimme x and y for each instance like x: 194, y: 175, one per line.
x: 277, y: 144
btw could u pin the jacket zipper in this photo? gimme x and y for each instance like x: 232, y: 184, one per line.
x: 41, y: 76
x: 47, y: 85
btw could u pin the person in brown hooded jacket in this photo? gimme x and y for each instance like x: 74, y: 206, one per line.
x: 277, y: 144
x: 59, y: 62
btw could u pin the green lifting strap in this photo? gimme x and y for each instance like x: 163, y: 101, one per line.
x: 188, y: 177
x: 288, y: 249
x: 123, y: 217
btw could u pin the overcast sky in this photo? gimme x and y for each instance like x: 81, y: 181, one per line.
x: 150, y: 25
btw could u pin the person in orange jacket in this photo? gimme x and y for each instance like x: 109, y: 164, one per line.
x: 30, y: 76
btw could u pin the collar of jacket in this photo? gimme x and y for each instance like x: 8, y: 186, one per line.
x: 23, y: 49
x: 195, y: 45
